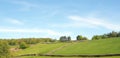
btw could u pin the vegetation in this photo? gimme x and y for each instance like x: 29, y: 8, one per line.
x: 40, y: 48
x: 28, y: 40
x: 64, y: 38
x: 100, y: 44
x: 80, y: 37
x: 23, y: 45
x: 65, y: 57
x: 4, y: 50
x: 108, y: 35
x: 103, y: 46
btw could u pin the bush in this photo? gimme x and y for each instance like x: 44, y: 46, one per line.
x: 4, y: 50
x: 23, y: 45
x: 80, y: 37
x: 96, y: 37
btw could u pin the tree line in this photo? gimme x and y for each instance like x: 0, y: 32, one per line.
x: 67, y: 39
x: 107, y: 35
x: 22, y: 43
x: 95, y: 37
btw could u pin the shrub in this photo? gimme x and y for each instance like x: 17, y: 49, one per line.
x: 23, y: 45
x: 4, y: 50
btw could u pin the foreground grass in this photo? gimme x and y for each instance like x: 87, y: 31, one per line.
x: 105, y: 46
x: 66, y: 57
x: 40, y: 48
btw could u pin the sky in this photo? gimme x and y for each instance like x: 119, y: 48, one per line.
x: 55, y: 18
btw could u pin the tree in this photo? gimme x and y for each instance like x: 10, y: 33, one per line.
x: 85, y: 38
x: 4, y: 50
x: 69, y: 38
x: 104, y: 36
x: 112, y: 34
x: 12, y: 42
x: 23, y: 45
x: 96, y: 37
x: 118, y: 34
x: 64, y: 38
x: 79, y: 37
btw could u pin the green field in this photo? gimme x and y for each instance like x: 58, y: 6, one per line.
x: 40, y: 48
x: 67, y: 57
x: 106, y: 46
x: 103, y: 46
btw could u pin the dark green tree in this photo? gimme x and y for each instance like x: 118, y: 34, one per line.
x: 112, y: 34
x: 69, y: 38
x: 64, y: 38
x: 79, y: 37
x: 118, y: 35
x: 104, y: 36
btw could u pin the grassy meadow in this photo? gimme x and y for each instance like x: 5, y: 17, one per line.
x: 39, y: 48
x: 66, y: 57
x: 103, y: 46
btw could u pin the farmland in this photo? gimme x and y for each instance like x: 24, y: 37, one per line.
x: 106, y: 46
x: 103, y: 46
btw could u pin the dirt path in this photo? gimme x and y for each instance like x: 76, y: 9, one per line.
x: 59, y: 48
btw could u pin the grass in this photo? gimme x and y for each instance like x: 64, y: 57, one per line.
x: 40, y: 48
x: 105, y: 46
x: 66, y: 57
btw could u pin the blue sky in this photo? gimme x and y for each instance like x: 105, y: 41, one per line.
x: 55, y: 18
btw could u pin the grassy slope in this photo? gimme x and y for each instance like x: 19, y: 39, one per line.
x: 106, y: 46
x: 40, y: 48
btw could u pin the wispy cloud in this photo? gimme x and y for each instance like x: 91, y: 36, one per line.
x: 26, y: 6
x: 14, y: 21
x: 42, y: 31
x: 95, y: 22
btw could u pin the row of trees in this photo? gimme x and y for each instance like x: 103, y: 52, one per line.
x: 65, y: 38
x: 95, y: 37
x: 25, y: 42
x: 28, y: 40
x: 21, y: 43
x: 105, y: 36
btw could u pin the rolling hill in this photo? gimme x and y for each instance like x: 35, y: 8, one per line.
x: 103, y: 46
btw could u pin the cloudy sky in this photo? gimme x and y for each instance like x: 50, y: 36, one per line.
x: 55, y: 18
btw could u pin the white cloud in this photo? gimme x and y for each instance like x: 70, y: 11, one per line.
x: 25, y: 5
x: 14, y: 21
x: 42, y: 31
x: 95, y: 22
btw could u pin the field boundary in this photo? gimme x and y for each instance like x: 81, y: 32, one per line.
x: 75, y: 55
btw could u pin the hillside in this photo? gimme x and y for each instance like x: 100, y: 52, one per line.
x: 39, y: 48
x: 103, y: 46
